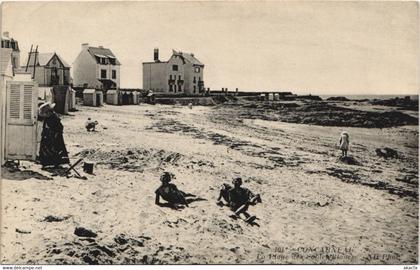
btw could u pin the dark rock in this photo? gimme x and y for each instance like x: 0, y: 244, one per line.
x: 54, y: 219
x: 87, y: 259
x: 349, y: 160
x: 121, y: 239
x: 402, y: 103
x: 82, y: 232
x: 386, y: 152
x: 338, y: 99
x: 22, y: 231
x: 409, y: 179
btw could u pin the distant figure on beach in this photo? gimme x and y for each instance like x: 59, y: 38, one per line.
x: 90, y: 125
x: 344, y: 143
x: 52, y: 150
x: 238, y: 198
x: 170, y: 193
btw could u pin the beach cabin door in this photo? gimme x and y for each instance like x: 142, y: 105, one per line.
x: 21, y: 119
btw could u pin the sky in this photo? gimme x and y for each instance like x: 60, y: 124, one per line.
x: 305, y: 47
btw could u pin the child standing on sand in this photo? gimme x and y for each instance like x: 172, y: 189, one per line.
x: 344, y: 143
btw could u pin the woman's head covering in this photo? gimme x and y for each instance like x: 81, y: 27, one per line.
x: 237, y: 181
x: 226, y: 186
x: 46, y: 107
x: 344, y: 133
x: 166, y: 177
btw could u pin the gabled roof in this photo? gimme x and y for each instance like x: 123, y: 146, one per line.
x: 101, y: 52
x: 188, y: 57
x: 44, y: 58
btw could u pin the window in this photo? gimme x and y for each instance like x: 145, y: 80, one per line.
x: 175, y: 67
x: 114, y: 74
x: 65, y: 80
x: 195, y: 80
x: 104, y: 61
x: 194, y: 88
x: 170, y: 77
x: 197, y: 70
x: 175, y: 87
x: 103, y: 73
x: 171, y: 88
x: 179, y: 77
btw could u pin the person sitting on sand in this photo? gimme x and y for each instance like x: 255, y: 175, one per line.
x: 344, y: 143
x: 239, y: 198
x: 170, y: 193
x: 90, y: 125
x: 224, y: 194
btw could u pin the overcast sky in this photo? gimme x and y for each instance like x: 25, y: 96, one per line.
x: 305, y: 47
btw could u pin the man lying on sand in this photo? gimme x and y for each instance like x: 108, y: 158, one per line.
x: 170, y: 193
x: 238, y: 198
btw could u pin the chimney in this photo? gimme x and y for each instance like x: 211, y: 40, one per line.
x: 6, y: 34
x: 100, y: 47
x: 156, y: 55
x: 85, y: 46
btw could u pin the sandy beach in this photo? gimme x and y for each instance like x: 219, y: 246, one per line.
x: 315, y: 208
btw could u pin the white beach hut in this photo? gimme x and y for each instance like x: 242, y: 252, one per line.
x: 92, y: 97
x: 112, y: 97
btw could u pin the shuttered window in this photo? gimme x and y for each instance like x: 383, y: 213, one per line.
x: 14, y: 105
x: 27, y: 101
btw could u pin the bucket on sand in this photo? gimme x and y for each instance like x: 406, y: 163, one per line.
x: 88, y: 167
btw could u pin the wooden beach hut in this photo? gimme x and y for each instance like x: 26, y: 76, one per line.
x: 112, y: 97
x: 122, y: 97
x: 21, y: 120
x: 93, y: 97
x: 62, y: 98
x: 128, y: 97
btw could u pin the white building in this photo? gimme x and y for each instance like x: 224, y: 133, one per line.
x: 96, y: 67
x: 181, y: 74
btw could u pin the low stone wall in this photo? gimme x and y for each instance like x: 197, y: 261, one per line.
x: 202, y: 101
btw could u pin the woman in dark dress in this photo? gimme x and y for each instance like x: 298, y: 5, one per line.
x: 52, y: 150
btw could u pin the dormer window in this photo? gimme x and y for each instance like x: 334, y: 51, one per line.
x: 197, y: 69
x: 175, y: 67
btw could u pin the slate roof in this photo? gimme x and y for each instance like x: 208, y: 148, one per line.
x: 188, y: 57
x: 44, y: 58
x: 103, y: 52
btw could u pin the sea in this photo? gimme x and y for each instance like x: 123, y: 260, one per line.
x: 358, y: 97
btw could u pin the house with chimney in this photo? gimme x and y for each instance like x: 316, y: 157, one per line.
x: 96, y: 67
x: 47, y: 69
x: 10, y: 44
x: 181, y: 74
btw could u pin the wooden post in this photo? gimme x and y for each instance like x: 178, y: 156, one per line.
x: 29, y: 57
x: 36, y: 54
